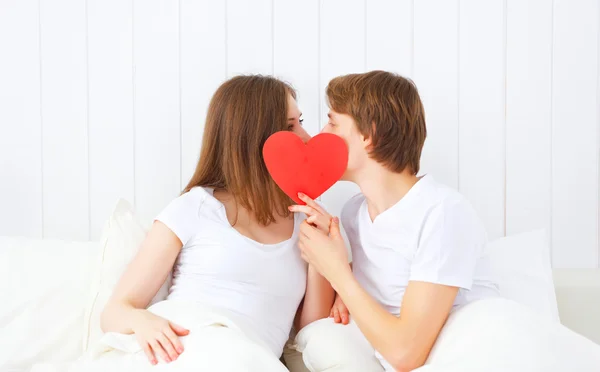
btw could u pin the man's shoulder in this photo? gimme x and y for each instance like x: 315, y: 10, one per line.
x: 438, y: 200
x: 451, y: 208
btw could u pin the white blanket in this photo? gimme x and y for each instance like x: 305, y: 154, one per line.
x: 495, y: 335
x: 215, y: 343
x: 502, y: 335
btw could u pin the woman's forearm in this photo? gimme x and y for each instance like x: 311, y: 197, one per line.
x: 317, y: 300
x: 118, y: 317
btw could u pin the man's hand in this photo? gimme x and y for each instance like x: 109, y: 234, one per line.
x: 327, y: 254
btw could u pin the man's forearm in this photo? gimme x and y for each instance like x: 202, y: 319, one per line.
x: 382, y: 329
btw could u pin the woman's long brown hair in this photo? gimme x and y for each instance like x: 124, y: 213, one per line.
x: 242, y: 114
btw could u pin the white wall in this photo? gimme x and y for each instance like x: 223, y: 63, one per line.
x: 102, y: 99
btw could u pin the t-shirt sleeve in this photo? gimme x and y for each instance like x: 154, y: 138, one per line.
x: 451, y: 243
x: 181, y: 215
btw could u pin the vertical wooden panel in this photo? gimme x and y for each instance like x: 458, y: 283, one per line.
x: 528, y: 114
x: 342, y: 52
x: 65, y: 124
x: 481, y: 110
x: 20, y: 122
x: 203, y: 69
x: 110, y: 71
x: 156, y: 105
x: 574, y: 134
x: 250, y: 36
x: 436, y: 76
x: 389, y: 35
x: 296, y: 55
x: 598, y: 145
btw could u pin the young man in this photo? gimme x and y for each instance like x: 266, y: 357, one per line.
x: 417, y: 245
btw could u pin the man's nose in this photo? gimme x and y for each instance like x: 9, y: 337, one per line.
x: 325, y: 129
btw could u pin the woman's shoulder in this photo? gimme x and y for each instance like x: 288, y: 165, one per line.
x: 189, y: 201
x: 196, y: 195
x: 181, y: 215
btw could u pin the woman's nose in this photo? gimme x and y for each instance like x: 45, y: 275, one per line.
x: 304, y: 136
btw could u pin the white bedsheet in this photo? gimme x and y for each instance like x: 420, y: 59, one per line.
x: 215, y: 343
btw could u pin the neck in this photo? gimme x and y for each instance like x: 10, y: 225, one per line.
x: 383, y: 188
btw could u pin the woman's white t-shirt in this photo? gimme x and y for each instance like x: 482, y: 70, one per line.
x: 259, y: 286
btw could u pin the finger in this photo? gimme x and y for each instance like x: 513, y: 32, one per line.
x: 304, y: 248
x: 334, y: 228
x: 174, y: 340
x: 311, y: 203
x: 179, y: 330
x: 303, y: 209
x: 149, y: 353
x: 336, y: 315
x: 302, y: 238
x: 311, y: 232
x: 305, y: 230
x: 158, y: 350
x: 301, y: 245
x: 321, y: 222
x: 166, y: 344
x: 304, y: 257
x: 345, y: 316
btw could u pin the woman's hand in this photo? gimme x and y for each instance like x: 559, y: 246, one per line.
x: 157, y: 336
x: 316, y: 215
x: 339, y: 311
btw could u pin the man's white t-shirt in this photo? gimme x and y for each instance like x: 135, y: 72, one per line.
x: 258, y: 286
x: 431, y: 235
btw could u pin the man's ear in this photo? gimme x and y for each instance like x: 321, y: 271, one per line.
x: 367, y: 139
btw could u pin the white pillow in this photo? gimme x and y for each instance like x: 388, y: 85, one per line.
x: 521, y: 264
x: 43, y: 287
x: 503, y: 335
x: 122, y: 236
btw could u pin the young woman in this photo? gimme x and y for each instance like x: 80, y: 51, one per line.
x: 229, y: 238
x: 417, y: 246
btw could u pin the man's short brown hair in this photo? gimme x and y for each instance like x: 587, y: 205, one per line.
x: 387, y: 109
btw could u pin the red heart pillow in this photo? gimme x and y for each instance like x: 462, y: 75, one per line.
x: 310, y: 168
